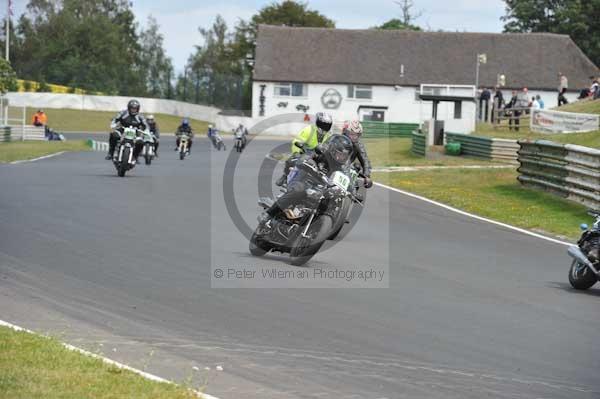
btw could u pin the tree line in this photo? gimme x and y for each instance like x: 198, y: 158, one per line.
x: 97, y: 45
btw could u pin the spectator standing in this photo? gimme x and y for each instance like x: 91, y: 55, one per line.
x: 563, y: 86
x: 498, y: 103
x: 39, y: 118
x: 594, y: 88
x: 535, y: 103
x: 514, y: 114
x: 540, y: 101
x: 484, y: 101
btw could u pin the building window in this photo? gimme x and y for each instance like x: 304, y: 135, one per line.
x: 361, y: 92
x: 290, y: 89
x: 458, y: 110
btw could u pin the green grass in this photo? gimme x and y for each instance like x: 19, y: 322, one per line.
x: 590, y: 139
x: 495, y: 194
x: 65, y: 120
x: 396, y: 152
x: 32, y: 366
x: 20, y: 150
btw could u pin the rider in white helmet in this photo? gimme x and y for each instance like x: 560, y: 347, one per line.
x: 354, y: 130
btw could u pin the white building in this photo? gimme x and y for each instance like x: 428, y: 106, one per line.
x: 378, y: 74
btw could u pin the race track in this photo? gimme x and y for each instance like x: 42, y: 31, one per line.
x: 123, y: 266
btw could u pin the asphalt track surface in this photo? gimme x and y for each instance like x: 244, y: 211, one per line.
x: 123, y: 266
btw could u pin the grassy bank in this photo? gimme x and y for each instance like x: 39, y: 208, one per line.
x: 65, y: 120
x: 495, y: 194
x: 396, y: 152
x: 32, y: 366
x: 20, y: 150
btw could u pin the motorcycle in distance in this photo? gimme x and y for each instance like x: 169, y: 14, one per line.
x: 302, y: 229
x: 585, y: 268
x: 240, y: 142
x: 123, y: 158
x: 148, y: 150
x: 217, y: 142
x: 183, y: 146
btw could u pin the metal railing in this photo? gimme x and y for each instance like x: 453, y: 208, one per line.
x: 566, y: 170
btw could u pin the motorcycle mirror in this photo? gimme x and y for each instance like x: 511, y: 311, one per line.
x: 583, y: 226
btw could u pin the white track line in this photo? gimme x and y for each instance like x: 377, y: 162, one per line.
x: 106, y: 360
x: 508, y: 226
x: 37, y: 159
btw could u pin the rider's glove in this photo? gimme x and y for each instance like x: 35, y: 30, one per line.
x: 368, y: 182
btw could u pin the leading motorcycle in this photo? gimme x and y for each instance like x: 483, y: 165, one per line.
x: 123, y: 158
x: 585, y: 268
x: 301, y: 229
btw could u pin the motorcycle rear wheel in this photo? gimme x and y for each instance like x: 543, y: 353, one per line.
x: 581, y: 277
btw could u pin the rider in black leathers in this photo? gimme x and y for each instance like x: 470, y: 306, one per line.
x: 153, y: 127
x: 130, y: 117
x: 329, y: 157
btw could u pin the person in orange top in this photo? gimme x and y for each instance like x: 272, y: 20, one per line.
x: 39, y: 118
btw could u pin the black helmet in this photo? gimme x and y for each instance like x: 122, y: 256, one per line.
x: 324, y: 121
x: 133, y: 107
x: 339, y: 149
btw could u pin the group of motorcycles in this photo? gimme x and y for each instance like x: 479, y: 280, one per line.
x: 303, y: 229
x: 123, y: 158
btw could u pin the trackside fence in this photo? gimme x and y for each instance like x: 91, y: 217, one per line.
x: 569, y: 171
x: 485, y: 147
x: 382, y: 129
x: 5, y: 133
x: 419, y: 144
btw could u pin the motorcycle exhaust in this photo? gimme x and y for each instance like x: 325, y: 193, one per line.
x: 575, y: 253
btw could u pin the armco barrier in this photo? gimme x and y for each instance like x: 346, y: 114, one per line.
x: 98, y: 145
x: 570, y: 171
x: 381, y: 129
x: 485, y: 147
x: 419, y: 144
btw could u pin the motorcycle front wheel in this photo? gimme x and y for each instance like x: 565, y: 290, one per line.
x: 581, y: 277
x: 256, y: 246
x: 306, y: 247
x: 124, y: 162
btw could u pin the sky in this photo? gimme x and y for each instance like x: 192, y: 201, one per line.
x: 180, y: 19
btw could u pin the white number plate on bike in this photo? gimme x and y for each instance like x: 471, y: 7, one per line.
x: 129, y: 133
x: 341, y: 180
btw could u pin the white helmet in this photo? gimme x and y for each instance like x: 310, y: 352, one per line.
x: 353, y: 130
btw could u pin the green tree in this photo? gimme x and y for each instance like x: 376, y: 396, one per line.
x: 90, y: 44
x: 396, y: 24
x: 8, y: 77
x: 155, y: 66
x: 576, y: 18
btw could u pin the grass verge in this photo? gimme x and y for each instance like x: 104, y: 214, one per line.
x: 72, y: 120
x: 495, y: 194
x: 22, y: 150
x: 396, y: 152
x: 32, y: 366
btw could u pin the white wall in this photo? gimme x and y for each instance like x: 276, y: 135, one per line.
x: 402, y: 105
x: 111, y: 103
